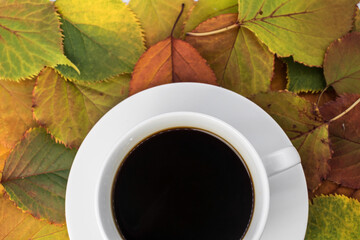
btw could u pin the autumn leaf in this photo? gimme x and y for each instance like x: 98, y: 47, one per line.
x: 302, y: 78
x: 102, y: 37
x: 206, y: 9
x: 69, y: 110
x: 35, y: 175
x: 357, y: 21
x: 171, y: 60
x: 14, y: 224
x: 345, y: 140
x: 15, y: 107
x: 333, y: 217
x: 306, y: 129
x: 29, y: 38
x: 240, y: 62
x: 298, y: 28
x: 157, y: 17
x: 279, y: 79
x: 328, y: 187
x: 4, y: 153
x: 342, y: 64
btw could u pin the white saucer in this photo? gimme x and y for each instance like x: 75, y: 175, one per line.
x: 288, y: 193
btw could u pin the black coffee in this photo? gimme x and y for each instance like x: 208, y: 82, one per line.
x: 182, y: 184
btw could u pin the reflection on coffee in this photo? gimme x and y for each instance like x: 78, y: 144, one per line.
x: 182, y: 184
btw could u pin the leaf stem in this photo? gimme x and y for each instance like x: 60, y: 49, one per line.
x: 177, y: 19
x: 322, y: 93
x: 203, y: 34
x: 346, y: 111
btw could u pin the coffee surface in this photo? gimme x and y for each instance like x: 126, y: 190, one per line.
x: 182, y: 184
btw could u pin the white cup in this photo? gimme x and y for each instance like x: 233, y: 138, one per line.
x: 276, y: 162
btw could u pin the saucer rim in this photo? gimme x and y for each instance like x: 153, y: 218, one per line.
x: 91, y: 144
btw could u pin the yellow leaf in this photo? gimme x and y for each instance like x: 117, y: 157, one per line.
x: 15, y: 110
x: 16, y: 225
x: 4, y: 153
x: 303, y: 29
x: 157, y: 17
x: 102, y: 37
x: 69, y: 110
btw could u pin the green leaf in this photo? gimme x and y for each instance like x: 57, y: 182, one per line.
x: 30, y: 38
x: 157, y: 17
x: 306, y: 129
x: 302, y: 78
x: 69, y: 110
x: 102, y: 37
x: 240, y: 62
x: 17, y: 225
x: 15, y: 107
x: 333, y: 217
x: 342, y: 64
x: 35, y: 175
x: 206, y: 9
x: 300, y: 28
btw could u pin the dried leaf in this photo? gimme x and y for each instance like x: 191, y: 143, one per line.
x: 306, y: 129
x: 357, y: 21
x: 327, y: 96
x: 35, y: 175
x: 69, y: 110
x: 328, y: 187
x: 16, y: 225
x: 102, y: 37
x: 171, y: 60
x: 157, y: 17
x: 15, y: 107
x: 342, y: 64
x: 301, y: 29
x: 29, y: 38
x: 345, y: 141
x: 4, y: 153
x: 240, y: 62
x: 206, y: 9
x: 304, y: 79
x: 279, y: 78
x: 333, y: 217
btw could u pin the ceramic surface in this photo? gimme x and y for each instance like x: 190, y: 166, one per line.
x: 288, y: 194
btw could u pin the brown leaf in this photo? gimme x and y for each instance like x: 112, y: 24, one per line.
x: 279, y: 81
x: 345, y: 141
x: 328, y: 95
x: 306, y: 129
x: 171, y: 60
x: 342, y: 64
x: 240, y: 61
x: 328, y: 187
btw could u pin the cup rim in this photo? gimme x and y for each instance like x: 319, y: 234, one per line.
x: 162, y: 122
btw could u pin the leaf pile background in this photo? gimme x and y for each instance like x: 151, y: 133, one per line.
x: 64, y: 64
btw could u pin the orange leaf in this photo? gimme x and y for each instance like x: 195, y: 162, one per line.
x: 171, y: 60
x: 15, y: 107
x: 4, y: 153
